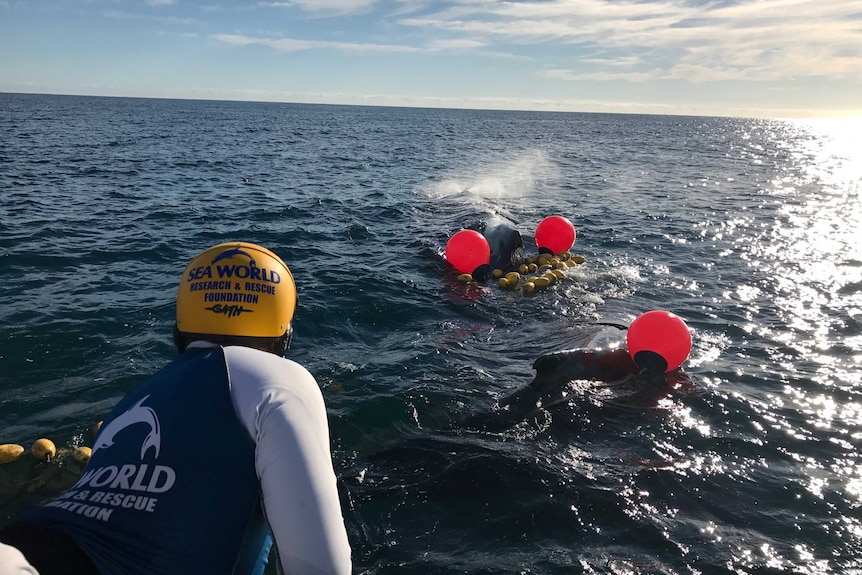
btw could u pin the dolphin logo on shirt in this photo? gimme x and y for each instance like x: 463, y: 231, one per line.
x: 136, y: 414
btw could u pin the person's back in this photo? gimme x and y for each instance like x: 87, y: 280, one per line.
x: 195, y: 467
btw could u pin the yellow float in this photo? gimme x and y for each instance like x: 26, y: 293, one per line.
x: 44, y: 449
x: 82, y: 454
x: 9, y: 452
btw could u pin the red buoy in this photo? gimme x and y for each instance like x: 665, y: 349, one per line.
x: 467, y: 250
x: 658, y: 340
x: 555, y: 234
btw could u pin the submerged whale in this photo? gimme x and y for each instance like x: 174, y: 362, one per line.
x: 506, y: 243
x: 598, y: 367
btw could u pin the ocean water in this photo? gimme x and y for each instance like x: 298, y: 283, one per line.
x: 747, y: 229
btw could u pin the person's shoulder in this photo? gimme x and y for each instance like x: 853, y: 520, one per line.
x: 257, y: 360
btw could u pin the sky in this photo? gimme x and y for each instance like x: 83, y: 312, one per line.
x: 746, y: 58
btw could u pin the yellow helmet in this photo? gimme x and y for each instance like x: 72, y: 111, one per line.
x: 236, y: 289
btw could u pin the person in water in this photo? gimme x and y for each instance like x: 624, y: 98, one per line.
x: 213, y: 460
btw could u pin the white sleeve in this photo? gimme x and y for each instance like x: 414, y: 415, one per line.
x: 279, y: 403
x: 13, y: 562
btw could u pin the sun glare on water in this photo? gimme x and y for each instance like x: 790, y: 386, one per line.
x: 802, y: 289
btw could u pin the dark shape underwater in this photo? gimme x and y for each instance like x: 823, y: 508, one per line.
x: 506, y: 243
x: 598, y: 368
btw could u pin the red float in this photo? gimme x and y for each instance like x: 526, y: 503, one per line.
x: 467, y: 250
x: 660, y: 333
x: 555, y: 234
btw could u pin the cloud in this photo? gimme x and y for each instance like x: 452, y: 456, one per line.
x: 610, y: 40
x: 330, y: 7
x: 454, y: 44
x: 751, y: 39
x: 173, y: 20
x: 295, y: 45
x: 603, y: 75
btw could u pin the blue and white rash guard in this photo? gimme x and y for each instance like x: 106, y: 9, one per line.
x: 194, y: 468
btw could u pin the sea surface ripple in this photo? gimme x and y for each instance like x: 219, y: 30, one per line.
x: 748, y: 229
